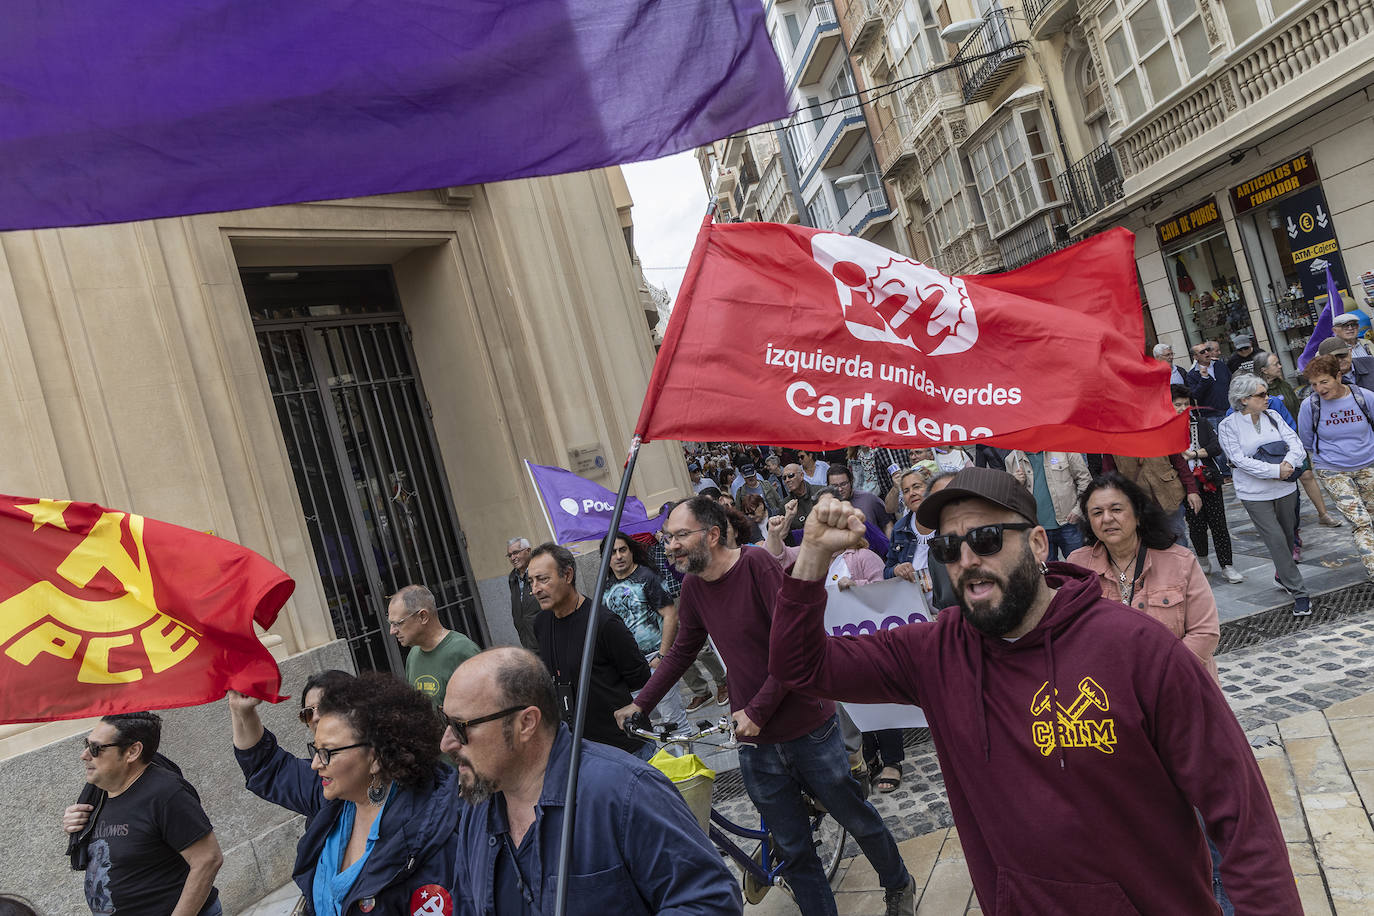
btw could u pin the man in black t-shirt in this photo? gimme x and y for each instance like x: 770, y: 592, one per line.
x: 618, y: 667
x: 150, y: 849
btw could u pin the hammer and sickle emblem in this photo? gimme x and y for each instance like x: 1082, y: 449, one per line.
x: 1074, y: 733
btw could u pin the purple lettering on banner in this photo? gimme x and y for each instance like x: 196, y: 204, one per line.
x: 856, y: 629
x: 862, y: 627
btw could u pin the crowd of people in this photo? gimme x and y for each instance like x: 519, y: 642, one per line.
x: 1072, y: 622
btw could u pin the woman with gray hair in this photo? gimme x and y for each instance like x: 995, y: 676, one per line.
x: 1265, y: 453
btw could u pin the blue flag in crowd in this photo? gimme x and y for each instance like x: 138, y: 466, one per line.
x: 112, y: 112
x: 579, y: 510
x: 1323, y: 328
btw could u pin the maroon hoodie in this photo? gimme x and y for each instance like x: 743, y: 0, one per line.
x: 1076, y: 803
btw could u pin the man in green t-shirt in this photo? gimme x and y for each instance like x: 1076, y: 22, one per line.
x: 434, y: 651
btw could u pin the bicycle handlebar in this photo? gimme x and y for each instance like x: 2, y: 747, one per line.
x: 635, y: 727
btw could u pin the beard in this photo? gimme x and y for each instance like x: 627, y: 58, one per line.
x: 692, y: 560
x: 1018, y: 590
x: 473, y: 787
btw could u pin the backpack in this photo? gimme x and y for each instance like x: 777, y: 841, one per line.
x: 1315, y: 400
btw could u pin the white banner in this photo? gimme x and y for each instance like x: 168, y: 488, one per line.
x: 868, y: 609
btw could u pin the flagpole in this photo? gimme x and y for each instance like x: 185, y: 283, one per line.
x: 584, y: 687
x: 539, y: 497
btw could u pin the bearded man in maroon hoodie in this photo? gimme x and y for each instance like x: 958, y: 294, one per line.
x: 1076, y: 735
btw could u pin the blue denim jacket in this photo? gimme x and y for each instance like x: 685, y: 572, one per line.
x: 417, y: 840
x: 637, y: 849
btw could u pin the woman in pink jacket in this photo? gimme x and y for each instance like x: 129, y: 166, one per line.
x: 1131, y: 548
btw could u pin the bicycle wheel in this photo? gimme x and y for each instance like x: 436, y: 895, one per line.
x: 829, y: 838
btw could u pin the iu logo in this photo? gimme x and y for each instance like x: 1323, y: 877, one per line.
x: 886, y: 297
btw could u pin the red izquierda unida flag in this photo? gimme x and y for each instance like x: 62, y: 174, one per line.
x: 104, y: 612
x: 804, y: 338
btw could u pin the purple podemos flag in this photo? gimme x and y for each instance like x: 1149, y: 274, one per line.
x: 1325, y: 322
x: 579, y: 510
x: 112, y: 112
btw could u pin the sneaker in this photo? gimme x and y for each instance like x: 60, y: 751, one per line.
x: 900, y: 901
x: 1205, y: 563
x: 1302, y: 606
x: 1230, y: 574
x: 698, y: 700
x: 723, y: 696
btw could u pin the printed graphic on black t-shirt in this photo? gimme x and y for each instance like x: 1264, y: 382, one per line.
x: 135, y: 864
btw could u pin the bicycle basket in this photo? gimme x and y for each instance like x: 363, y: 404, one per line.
x: 692, y: 777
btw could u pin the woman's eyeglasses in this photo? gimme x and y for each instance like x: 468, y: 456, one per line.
x: 985, y: 540
x: 327, y: 753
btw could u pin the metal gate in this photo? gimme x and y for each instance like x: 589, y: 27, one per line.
x: 362, y: 450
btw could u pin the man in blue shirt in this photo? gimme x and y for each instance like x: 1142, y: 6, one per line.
x: 636, y: 848
x: 1209, y: 380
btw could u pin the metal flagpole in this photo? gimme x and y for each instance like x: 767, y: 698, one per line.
x: 583, y: 688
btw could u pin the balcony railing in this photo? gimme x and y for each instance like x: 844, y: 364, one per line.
x: 819, y: 31
x: 865, y: 23
x: 867, y: 207
x: 988, y: 56
x: 1032, y: 240
x: 843, y: 118
x: 1091, y: 183
x: 1330, y: 39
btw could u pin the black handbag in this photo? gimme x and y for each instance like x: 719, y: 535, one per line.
x: 1275, y: 453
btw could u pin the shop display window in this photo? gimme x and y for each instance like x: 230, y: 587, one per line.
x: 1206, y: 287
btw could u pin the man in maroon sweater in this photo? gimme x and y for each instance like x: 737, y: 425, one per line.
x: 1076, y: 735
x: 792, y: 742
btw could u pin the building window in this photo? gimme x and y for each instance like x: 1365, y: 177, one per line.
x: 1247, y: 17
x: 818, y: 211
x: 1152, y: 48
x: 950, y: 214
x: 1014, y: 170
x: 913, y: 38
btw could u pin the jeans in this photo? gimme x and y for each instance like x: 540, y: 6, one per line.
x: 215, y: 909
x: 775, y: 775
x: 1178, y: 521
x: 884, y: 748
x: 1064, y: 540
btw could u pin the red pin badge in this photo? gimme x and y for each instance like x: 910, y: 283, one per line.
x: 431, y: 900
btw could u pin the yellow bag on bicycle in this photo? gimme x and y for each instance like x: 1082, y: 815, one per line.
x: 693, y: 779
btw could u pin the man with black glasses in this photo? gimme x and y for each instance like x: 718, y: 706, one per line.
x: 636, y: 848
x: 1079, y: 740
x: 139, y: 830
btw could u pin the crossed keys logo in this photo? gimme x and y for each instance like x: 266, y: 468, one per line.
x: 1068, y: 727
x: 888, y: 298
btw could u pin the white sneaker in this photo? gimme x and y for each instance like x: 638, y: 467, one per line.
x: 1206, y: 564
x: 1230, y: 574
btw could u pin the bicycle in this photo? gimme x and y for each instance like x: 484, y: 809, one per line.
x: 761, y: 870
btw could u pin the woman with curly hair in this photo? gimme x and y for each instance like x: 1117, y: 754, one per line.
x: 383, y: 811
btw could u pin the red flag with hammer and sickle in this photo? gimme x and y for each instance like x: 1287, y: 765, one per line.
x: 104, y: 612
x: 800, y: 337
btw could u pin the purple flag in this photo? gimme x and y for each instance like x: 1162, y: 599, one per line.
x: 579, y: 510
x: 111, y: 113
x: 1324, y: 320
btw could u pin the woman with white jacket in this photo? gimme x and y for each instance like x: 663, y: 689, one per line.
x: 1249, y: 436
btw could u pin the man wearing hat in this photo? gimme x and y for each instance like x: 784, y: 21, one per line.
x: 1243, y: 360
x: 764, y: 489
x: 1078, y: 739
x: 1354, y: 370
x: 699, y: 482
x: 1346, y: 326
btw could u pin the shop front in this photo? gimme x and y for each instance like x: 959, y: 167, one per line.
x: 1203, y: 277
x: 1289, y: 237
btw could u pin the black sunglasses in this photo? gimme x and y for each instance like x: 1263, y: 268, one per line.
x: 327, y: 753
x: 460, y: 726
x: 985, y: 540
x: 95, y: 747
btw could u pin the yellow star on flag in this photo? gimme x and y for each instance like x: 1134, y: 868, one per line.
x: 48, y: 512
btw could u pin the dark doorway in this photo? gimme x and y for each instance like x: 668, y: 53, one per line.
x: 337, y: 353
